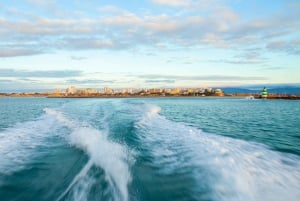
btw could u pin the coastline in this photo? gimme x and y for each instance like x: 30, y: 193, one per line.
x: 273, y: 97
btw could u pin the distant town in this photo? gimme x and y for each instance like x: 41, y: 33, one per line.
x: 106, y: 92
x: 73, y: 91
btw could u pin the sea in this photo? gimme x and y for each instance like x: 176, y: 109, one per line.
x: 149, y: 149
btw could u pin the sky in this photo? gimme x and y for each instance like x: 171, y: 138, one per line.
x: 46, y: 44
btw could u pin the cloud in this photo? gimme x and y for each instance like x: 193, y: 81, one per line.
x: 79, y: 43
x: 27, y: 80
x: 253, y: 56
x: 160, y: 81
x: 112, y: 10
x: 50, y: 6
x: 238, y: 62
x: 5, y: 81
x: 78, y: 58
x: 39, y: 74
x: 198, y: 5
x: 201, y: 77
x: 173, y: 2
x: 41, y: 3
x: 19, y: 85
x: 272, y: 68
x: 290, y: 47
x: 113, y: 28
x: 16, y: 83
x: 15, y: 52
x: 89, y: 81
x: 248, y: 57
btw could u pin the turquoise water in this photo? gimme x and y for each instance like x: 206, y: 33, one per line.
x: 149, y: 149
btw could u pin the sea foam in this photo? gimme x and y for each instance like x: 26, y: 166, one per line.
x: 234, y: 169
x: 18, y: 144
x: 112, y: 157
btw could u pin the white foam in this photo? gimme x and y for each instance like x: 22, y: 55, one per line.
x: 17, y: 147
x: 18, y: 143
x: 237, y: 170
x: 60, y: 117
x: 153, y: 110
x: 80, y: 195
x: 112, y: 157
x: 149, y: 112
x: 82, y: 188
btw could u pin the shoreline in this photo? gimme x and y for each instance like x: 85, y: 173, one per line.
x: 274, y: 97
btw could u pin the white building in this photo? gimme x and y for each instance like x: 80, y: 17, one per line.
x: 71, y: 90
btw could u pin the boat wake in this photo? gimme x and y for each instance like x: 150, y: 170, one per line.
x: 174, y: 161
x: 112, y: 157
x: 18, y: 144
x: 233, y: 169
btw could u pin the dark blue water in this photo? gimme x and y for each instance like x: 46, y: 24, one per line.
x: 149, y: 149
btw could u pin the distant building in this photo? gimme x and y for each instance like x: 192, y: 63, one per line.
x: 71, y: 90
x: 124, y: 91
x: 154, y: 91
x: 209, y: 90
x: 192, y: 91
x: 219, y: 92
x: 201, y: 91
x: 176, y: 91
x: 91, y: 91
x: 108, y: 90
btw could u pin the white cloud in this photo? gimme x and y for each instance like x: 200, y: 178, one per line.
x: 218, y: 27
x: 290, y: 47
x: 8, y: 72
x: 42, y: 3
x: 200, y: 77
x: 14, y: 52
x: 173, y: 2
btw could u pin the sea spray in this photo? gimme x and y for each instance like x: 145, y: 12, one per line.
x: 110, y: 156
x: 148, y: 111
x: 114, y: 158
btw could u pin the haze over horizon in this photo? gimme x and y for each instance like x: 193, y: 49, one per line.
x: 148, y: 43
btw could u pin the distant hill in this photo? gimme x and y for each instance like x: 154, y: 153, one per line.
x: 276, y: 90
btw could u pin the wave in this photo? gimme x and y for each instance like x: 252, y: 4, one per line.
x: 80, y: 175
x: 112, y: 157
x: 60, y: 117
x: 234, y: 169
x: 18, y: 144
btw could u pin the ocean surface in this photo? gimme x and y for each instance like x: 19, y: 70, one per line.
x: 162, y: 149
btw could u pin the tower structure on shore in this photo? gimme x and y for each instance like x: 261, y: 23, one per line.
x: 264, y: 93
